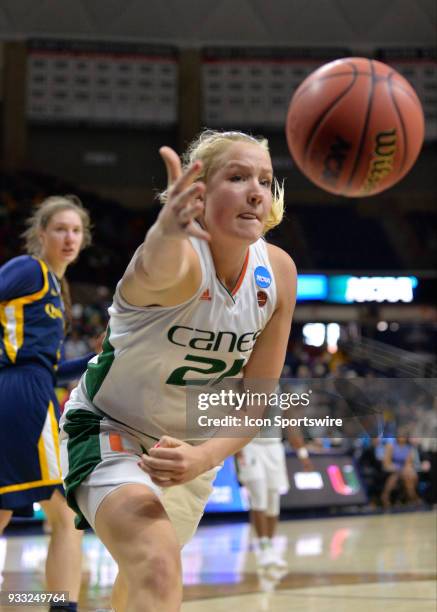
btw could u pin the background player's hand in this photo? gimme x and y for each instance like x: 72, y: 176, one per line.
x: 172, y: 462
x: 184, y: 198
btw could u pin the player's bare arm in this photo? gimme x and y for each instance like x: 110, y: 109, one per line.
x: 165, y: 269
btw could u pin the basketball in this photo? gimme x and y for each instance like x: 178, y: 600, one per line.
x: 355, y: 127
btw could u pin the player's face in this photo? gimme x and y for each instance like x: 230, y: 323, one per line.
x: 238, y: 196
x: 62, y: 238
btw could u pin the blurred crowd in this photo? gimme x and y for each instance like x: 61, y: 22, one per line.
x: 389, y: 425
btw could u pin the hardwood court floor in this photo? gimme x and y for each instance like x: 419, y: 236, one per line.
x: 360, y: 564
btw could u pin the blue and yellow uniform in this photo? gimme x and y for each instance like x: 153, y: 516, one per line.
x: 31, y: 337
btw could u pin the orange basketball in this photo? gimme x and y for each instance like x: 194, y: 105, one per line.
x: 355, y: 127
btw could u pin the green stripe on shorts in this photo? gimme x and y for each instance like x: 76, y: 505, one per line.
x: 83, y: 429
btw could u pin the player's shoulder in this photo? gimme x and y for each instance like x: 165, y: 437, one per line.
x: 22, y: 275
x: 22, y: 264
x: 281, y: 261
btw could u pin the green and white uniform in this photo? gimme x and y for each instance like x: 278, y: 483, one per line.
x: 136, y: 388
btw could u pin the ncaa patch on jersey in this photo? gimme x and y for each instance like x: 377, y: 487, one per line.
x: 263, y: 278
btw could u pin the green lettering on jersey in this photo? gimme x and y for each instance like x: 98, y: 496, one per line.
x: 208, y: 340
x: 215, y: 366
x: 202, y: 343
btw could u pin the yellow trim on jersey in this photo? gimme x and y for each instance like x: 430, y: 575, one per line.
x: 17, y: 320
x: 30, y: 485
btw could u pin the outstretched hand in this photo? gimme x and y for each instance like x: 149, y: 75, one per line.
x: 173, y: 462
x: 184, y: 198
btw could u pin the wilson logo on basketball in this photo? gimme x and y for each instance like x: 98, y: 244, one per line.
x: 262, y: 298
x: 206, y: 296
x: 382, y: 161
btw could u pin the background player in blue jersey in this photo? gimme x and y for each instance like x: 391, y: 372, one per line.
x: 34, y: 310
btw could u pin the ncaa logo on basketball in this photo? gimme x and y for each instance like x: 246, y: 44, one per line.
x: 263, y: 278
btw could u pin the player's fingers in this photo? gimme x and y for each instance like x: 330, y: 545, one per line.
x: 181, y: 200
x: 167, y: 454
x: 170, y: 482
x: 172, y: 164
x: 187, y: 178
x: 190, y: 212
x: 194, y: 229
x: 168, y: 442
x: 161, y: 482
x: 159, y: 475
x: 158, y: 464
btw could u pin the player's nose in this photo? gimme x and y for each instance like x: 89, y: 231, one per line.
x: 70, y: 237
x: 255, y: 194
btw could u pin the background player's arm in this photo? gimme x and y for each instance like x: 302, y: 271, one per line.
x: 174, y: 462
x: 297, y: 442
x: 166, y: 270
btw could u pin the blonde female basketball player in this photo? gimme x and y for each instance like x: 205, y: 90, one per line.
x: 34, y: 307
x: 203, y: 297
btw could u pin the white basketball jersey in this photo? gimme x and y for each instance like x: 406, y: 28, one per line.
x: 150, y: 353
